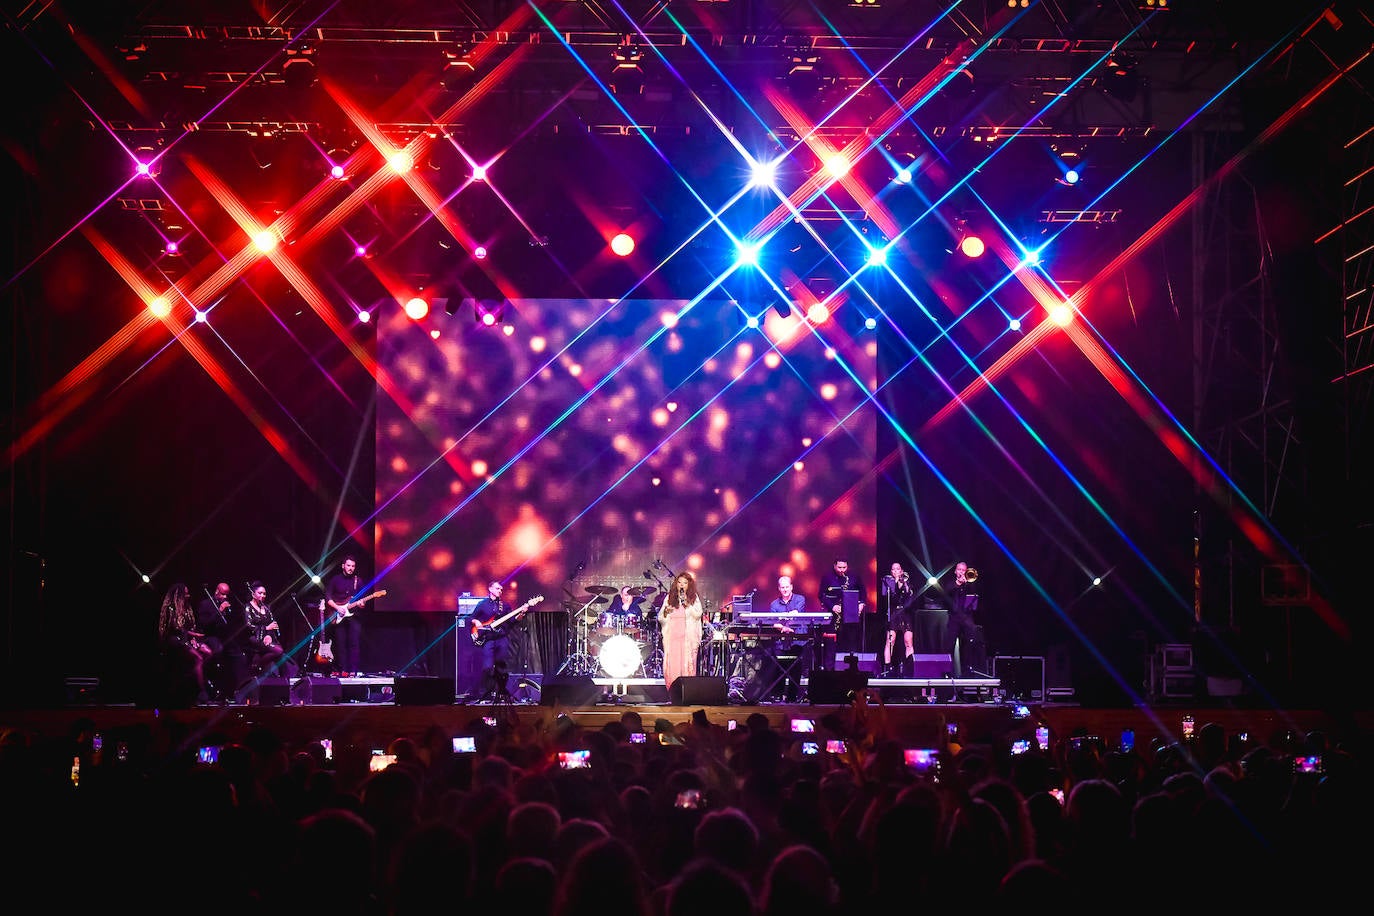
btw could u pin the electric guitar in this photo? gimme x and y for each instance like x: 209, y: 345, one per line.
x: 341, y: 612
x: 325, y: 653
x: 481, y: 632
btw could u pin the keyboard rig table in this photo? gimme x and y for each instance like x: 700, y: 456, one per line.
x: 770, y: 652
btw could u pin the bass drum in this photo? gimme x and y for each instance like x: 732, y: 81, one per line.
x: 619, y: 656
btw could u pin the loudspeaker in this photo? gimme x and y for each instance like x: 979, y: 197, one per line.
x: 937, y: 665
x: 422, y: 691
x: 833, y: 687
x: 863, y: 661
x: 317, y: 691
x: 281, y: 691
x: 574, y: 690
x: 1022, y: 676
x: 697, y: 691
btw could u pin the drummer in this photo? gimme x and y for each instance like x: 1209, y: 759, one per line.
x: 626, y: 612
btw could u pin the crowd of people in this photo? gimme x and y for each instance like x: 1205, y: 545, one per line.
x: 549, y: 817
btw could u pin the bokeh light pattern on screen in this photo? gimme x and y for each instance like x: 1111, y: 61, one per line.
x: 596, y: 436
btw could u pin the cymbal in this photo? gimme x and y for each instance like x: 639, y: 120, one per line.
x: 641, y: 590
x: 601, y: 589
x: 592, y: 599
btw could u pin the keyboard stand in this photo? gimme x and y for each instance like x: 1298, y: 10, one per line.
x: 788, y: 668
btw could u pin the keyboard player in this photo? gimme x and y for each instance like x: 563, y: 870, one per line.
x: 789, y: 602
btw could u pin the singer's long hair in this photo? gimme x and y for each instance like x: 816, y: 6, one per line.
x: 176, y: 614
x: 691, y: 589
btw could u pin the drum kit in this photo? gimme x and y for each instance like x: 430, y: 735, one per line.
x: 607, y: 640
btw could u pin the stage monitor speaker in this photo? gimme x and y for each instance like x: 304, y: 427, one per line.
x: 935, y: 665
x: 574, y: 690
x: 422, y: 691
x: 834, y: 687
x: 281, y: 691
x: 697, y: 691
x: 318, y: 691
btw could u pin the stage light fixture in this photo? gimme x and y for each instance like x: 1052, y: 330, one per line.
x: 458, y: 68
x: 401, y: 162
x: 627, y: 71
x: 622, y: 244
x: 298, y: 70
x: 489, y: 312
x: 762, y: 173
x: 416, y: 308
x: 972, y: 246
x: 147, y: 162
x: 1121, y: 80
x: 265, y: 241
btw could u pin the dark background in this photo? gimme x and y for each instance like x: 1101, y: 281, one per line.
x: 1223, y: 450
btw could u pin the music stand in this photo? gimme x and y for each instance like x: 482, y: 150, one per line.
x: 849, y: 605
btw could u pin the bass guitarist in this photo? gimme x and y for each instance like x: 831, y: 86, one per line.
x: 498, y: 630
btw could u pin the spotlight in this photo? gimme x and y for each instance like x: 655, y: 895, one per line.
x: 401, y: 162
x: 265, y: 241
x: 417, y: 308
x: 147, y: 163
x: 623, y: 245
x: 972, y: 246
x: 489, y: 312
x: 160, y: 307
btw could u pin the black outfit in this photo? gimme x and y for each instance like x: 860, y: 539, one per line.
x: 849, y: 636
x: 344, y: 636
x: 502, y: 646
x: 263, y: 647
x: 964, y: 638
x: 899, y: 600
x: 214, y: 621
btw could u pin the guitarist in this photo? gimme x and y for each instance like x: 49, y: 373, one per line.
x: 499, y: 643
x: 345, y: 632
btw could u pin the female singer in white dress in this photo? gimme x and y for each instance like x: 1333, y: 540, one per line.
x: 680, y: 620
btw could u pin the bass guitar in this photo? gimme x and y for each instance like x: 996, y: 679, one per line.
x: 483, y: 631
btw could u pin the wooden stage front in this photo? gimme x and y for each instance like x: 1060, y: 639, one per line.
x: 369, y: 715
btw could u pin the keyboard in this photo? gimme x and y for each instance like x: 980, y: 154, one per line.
x: 765, y: 617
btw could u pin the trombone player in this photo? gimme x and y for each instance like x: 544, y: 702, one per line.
x: 964, y: 638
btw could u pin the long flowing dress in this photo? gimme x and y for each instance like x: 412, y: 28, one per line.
x: 681, y: 639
